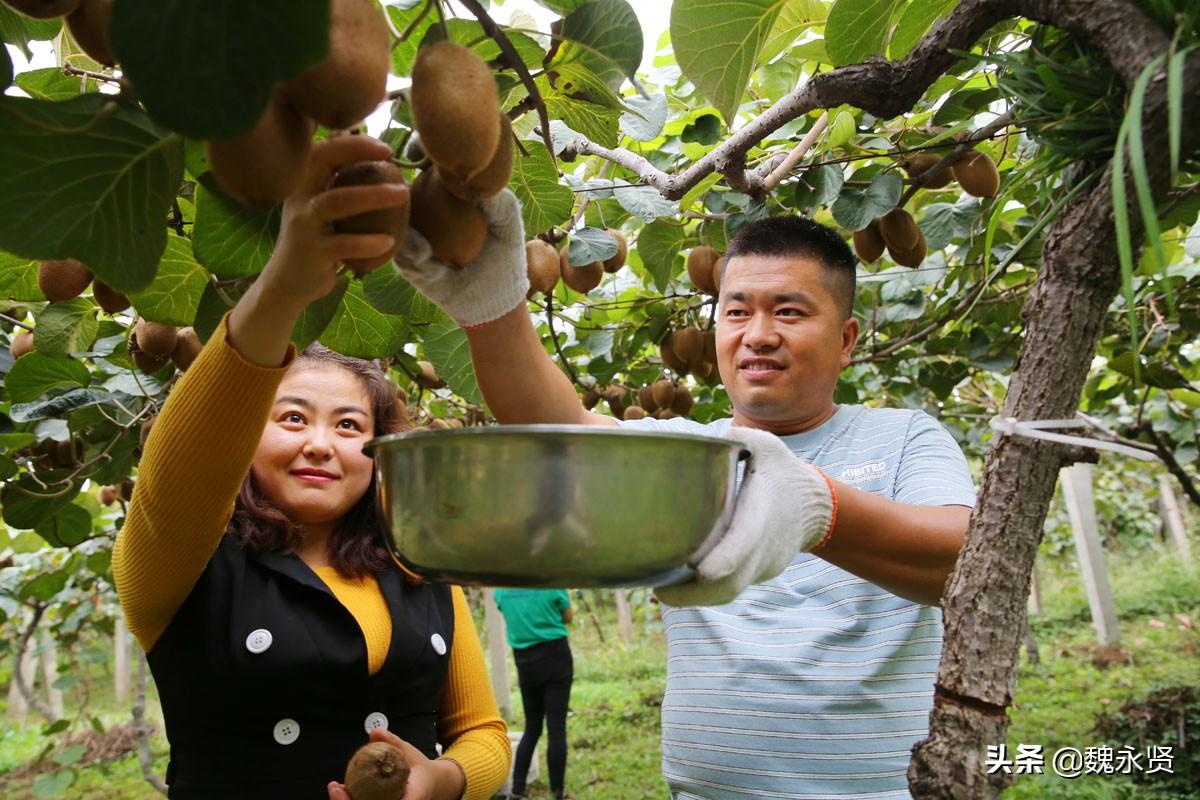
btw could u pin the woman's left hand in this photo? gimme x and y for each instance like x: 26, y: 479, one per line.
x: 428, y: 779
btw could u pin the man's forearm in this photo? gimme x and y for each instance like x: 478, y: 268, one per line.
x: 909, y: 550
x: 519, y: 381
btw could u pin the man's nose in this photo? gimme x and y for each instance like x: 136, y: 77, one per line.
x: 760, y: 332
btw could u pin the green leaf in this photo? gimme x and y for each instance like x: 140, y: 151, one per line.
x: 6, y: 69
x: 841, y: 130
x: 594, y: 121
x: 857, y: 29
x: 35, y: 374
x: 562, y: 6
x: 67, y: 527
x: 963, y: 104
x: 717, y: 44
x: 544, y: 201
x: 388, y: 291
x: 819, y: 186
x: 644, y: 202
x: 317, y: 315
x: 175, y: 294
x: 359, y: 330
x: 72, y: 753
x: 18, y: 279
x: 796, y: 17
x: 55, y: 783
x: 227, y: 53
x: 73, y: 174
x: 942, y: 223
x: 915, y: 20
x: 66, y: 328
x: 603, y: 37
x: 25, y: 503
x: 855, y: 208
x: 10, y: 442
x: 659, y: 244
x: 19, y: 30
x: 704, y: 129
x: 589, y: 245
x: 60, y: 405
x: 446, y: 348
x: 52, y: 84
x: 230, y: 239
x: 646, y: 117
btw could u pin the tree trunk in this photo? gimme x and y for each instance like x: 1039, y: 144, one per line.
x: 1173, y: 519
x: 49, y: 659
x: 120, y: 661
x: 498, y: 653
x: 624, y: 617
x: 143, y: 729
x: 985, y: 600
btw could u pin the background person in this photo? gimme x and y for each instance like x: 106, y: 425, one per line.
x: 251, y: 567
x: 794, y: 674
x: 535, y: 622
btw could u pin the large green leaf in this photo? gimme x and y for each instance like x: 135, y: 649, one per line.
x: 644, y: 202
x: 36, y: 373
x: 857, y: 29
x: 914, y: 21
x: 88, y: 179
x: 18, y: 279
x: 317, y: 315
x: 796, y: 17
x: 658, y: 244
x: 230, y: 239
x: 359, y: 330
x: 603, y: 38
x: 18, y: 29
x: 646, y: 117
x: 446, y: 348
x: 52, y: 84
x: 175, y: 293
x: 26, y: 503
x: 388, y: 291
x: 67, y: 527
x: 544, y: 201
x: 589, y: 245
x: 855, y: 208
x: 59, y: 406
x: 717, y: 44
x: 6, y: 69
x: 227, y: 53
x: 66, y: 328
x: 596, y: 122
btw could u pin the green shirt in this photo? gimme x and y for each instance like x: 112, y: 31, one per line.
x: 533, y: 616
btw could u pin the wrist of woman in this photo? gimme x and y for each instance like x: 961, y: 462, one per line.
x: 451, y: 780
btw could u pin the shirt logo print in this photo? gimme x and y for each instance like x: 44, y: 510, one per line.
x: 864, y: 472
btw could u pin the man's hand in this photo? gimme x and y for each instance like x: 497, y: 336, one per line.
x: 484, y: 289
x: 428, y: 779
x: 785, y: 506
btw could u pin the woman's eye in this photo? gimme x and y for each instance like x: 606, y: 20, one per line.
x: 293, y: 417
x: 350, y: 425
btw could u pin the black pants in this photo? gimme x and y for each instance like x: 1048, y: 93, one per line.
x: 545, y: 672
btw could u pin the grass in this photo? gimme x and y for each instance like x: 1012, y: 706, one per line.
x: 614, y: 724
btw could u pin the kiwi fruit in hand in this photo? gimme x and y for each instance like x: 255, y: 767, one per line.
x: 392, y: 221
x: 494, y: 177
x: 455, y: 108
x: 376, y: 771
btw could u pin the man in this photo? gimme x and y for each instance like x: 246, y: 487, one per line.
x: 817, y: 679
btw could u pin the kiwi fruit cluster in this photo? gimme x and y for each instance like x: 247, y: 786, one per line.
x: 264, y: 165
x: 376, y: 771
x: 463, y: 132
x: 690, y: 351
x: 54, y: 454
x: 585, y: 277
x: 704, y: 265
x: 663, y: 399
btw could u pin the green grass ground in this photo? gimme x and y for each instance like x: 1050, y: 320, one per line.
x: 613, y: 727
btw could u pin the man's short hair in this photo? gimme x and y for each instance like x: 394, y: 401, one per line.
x: 800, y: 236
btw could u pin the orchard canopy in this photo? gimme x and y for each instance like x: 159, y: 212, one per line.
x: 1046, y: 151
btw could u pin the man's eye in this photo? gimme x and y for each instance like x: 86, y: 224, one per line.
x: 790, y: 312
x: 735, y: 312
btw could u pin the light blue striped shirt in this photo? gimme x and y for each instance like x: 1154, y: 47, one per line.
x: 817, y: 683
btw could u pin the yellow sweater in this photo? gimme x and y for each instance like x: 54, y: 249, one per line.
x: 188, y: 479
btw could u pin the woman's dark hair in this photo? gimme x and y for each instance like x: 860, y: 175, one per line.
x: 800, y: 236
x: 358, y: 545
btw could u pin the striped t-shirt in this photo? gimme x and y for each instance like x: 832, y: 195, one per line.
x: 815, y: 684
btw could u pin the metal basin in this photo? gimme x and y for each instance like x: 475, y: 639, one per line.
x: 555, y: 505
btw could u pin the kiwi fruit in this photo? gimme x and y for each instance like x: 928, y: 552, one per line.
x: 21, y: 344
x: 187, y: 347
x: 683, y: 402
x: 376, y: 771
x: 147, y: 363
x: 264, y: 165
x: 392, y: 221
x: 494, y: 177
x: 617, y: 261
x: 541, y: 263
x: 44, y: 9
x: 614, y: 395
x: 63, y: 280
x: 666, y: 350
x: 710, y: 347
x: 155, y: 339
x: 665, y: 413
x: 144, y: 432
x: 663, y: 392
x: 717, y: 273
x: 352, y: 79
x: 921, y: 163
x: 689, y: 345
x: 89, y: 24
x: 646, y: 398
x: 590, y: 398
x: 109, y: 495
x: 899, y: 230
x: 455, y: 229
x: 976, y: 173
x: 455, y: 108
x: 868, y: 242
x: 428, y: 377
x: 700, y: 263
x: 911, y: 257
x: 127, y: 489
x: 634, y: 412
x: 582, y: 278
x: 109, y: 299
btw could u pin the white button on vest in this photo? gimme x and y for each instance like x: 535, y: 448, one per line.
x: 375, y: 721
x: 259, y: 640
x: 287, y: 731
x: 439, y: 644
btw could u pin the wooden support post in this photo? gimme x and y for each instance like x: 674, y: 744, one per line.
x: 49, y: 658
x: 18, y: 709
x: 1035, y: 594
x: 120, y: 661
x: 497, y: 653
x: 624, y: 617
x: 1172, y: 518
x: 1081, y: 507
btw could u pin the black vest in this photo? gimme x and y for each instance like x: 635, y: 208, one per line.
x: 264, y: 683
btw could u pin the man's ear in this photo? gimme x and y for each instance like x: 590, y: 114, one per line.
x: 849, y: 338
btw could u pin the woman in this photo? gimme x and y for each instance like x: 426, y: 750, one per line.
x: 536, y: 626
x: 251, y: 567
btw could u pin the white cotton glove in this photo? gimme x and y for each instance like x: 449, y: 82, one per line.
x: 486, y: 288
x: 784, y: 506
